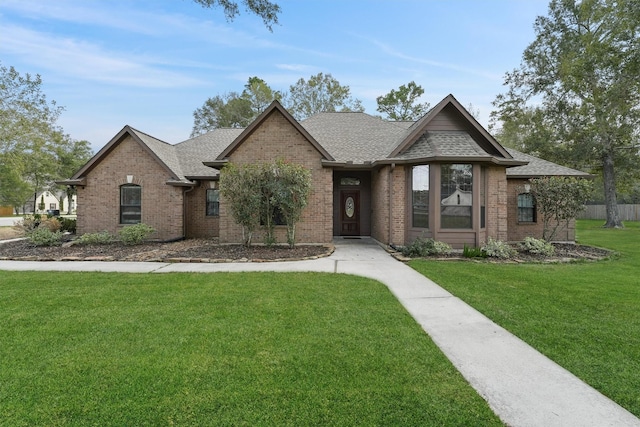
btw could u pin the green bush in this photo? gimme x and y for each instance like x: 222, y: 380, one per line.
x: 422, y: 247
x: 498, y: 249
x: 100, y: 238
x: 135, y: 234
x: 473, y: 252
x: 67, y: 224
x: 537, y: 246
x: 45, y: 237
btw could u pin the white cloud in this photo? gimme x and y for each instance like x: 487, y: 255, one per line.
x: 389, y: 50
x: 87, y: 61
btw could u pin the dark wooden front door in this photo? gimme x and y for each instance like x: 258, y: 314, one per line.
x: 350, y: 212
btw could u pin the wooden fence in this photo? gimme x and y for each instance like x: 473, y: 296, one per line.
x: 627, y: 212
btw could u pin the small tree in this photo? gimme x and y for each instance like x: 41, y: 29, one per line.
x: 559, y: 200
x: 255, y: 193
x: 294, y: 187
x: 240, y: 188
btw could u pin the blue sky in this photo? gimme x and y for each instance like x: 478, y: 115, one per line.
x: 151, y: 63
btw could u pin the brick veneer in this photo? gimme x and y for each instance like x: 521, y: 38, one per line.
x: 99, y: 201
x: 380, y: 204
x: 496, y: 209
x: 518, y: 231
x: 276, y: 138
x: 198, y: 224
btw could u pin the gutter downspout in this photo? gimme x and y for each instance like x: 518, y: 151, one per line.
x: 391, y: 169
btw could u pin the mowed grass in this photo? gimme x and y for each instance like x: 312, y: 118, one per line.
x: 585, y: 316
x: 220, y: 349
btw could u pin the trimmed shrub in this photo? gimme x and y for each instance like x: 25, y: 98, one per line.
x: 45, y: 237
x: 422, y: 247
x: 537, y: 246
x: 100, y: 238
x: 498, y: 249
x: 135, y: 234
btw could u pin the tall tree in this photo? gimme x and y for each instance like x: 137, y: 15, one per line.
x: 227, y: 111
x: 321, y: 93
x: 25, y: 112
x: 265, y: 9
x: 258, y: 92
x: 28, y: 133
x: 402, y: 104
x: 583, y: 69
x: 234, y: 110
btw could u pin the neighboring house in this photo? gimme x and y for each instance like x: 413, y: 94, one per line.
x: 50, y: 201
x: 443, y: 176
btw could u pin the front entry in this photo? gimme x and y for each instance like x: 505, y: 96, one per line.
x: 349, y: 212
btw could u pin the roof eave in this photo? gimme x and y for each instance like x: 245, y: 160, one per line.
x: 80, y: 182
x: 217, y: 164
x: 346, y: 165
x: 180, y: 183
x: 532, y: 176
x: 454, y: 159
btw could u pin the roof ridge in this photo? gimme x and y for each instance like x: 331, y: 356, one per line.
x: 150, y: 136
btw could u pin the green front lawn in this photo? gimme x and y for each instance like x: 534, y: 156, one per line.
x: 585, y: 316
x: 220, y: 349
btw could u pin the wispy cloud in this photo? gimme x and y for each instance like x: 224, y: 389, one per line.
x: 391, y: 51
x: 295, y: 67
x: 88, y: 61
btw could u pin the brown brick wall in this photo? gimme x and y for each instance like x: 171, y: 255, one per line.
x: 496, y: 209
x: 381, y: 179
x: 198, y: 224
x: 276, y: 139
x: 99, y: 201
x: 380, y: 204
x: 398, y: 206
x: 518, y: 231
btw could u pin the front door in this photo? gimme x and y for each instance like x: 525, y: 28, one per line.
x: 350, y: 212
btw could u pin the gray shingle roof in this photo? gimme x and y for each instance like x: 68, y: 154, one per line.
x: 355, y: 137
x: 347, y: 137
x: 165, y: 152
x: 194, y: 151
x: 444, y: 144
x: 538, y: 167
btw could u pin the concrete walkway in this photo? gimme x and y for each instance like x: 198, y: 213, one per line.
x: 523, y: 387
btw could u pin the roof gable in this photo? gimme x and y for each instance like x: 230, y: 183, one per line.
x: 275, y: 106
x: 162, y: 152
x: 450, y: 106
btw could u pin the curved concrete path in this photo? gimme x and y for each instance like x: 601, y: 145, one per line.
x: 523, y: 387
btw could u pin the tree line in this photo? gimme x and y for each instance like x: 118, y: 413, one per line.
x: 321, y: 93
x: 34, y: 150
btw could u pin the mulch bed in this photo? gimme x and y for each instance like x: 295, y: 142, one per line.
x: 189, y: 250
x: 207, y: 250
x: 564, y: 252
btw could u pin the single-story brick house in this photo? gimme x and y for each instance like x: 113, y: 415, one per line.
x: 443, y: 176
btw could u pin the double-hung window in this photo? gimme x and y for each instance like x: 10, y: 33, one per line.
x: 526, y: 207
x: 213, y: 202
x: 130, y: 204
